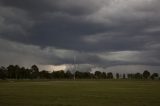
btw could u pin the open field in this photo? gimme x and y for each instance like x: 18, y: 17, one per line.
x: 80, y: 93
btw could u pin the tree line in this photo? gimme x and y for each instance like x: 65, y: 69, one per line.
x: 17, y: 72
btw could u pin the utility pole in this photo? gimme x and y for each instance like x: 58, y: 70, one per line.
x: 75, y: 68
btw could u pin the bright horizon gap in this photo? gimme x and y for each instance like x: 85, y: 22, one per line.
x: 114, y: 69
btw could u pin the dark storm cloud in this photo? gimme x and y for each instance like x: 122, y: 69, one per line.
x: 104, y: 32
x: 67, y: 6
x: 55, y: 22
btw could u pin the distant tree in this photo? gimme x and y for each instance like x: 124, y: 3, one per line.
x: 84, y: 75
x: 146, y: 74
x: 62, y: 74
x: 78, y: 74
x: 129, y: 76
x: 133, y: 76
x: 87, y: 75
x: 3, y: 73
x: 154, y: 75
x: 124, y: 76
x: 97, y: 74
x: 44, y: 74
x: 58, y: 74
x: 23, y: 73
x: 35, y: 68
x: 138, y: 76
x: 28, y: 74
x: 11, y: 71
x: 117, y: 75
x: 17, y: 72
x: 109, y: 75
x: 68, y: 75
x: 104, y: 75
x: 34, y: 71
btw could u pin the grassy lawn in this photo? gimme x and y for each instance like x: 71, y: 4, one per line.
x: 80, y: 93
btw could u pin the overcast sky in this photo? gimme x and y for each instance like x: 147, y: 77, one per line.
x: 105, y: 33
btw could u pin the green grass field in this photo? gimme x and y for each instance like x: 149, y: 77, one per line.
x: 80, y: 93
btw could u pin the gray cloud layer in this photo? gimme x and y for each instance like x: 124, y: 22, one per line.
x: 103, y: 32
